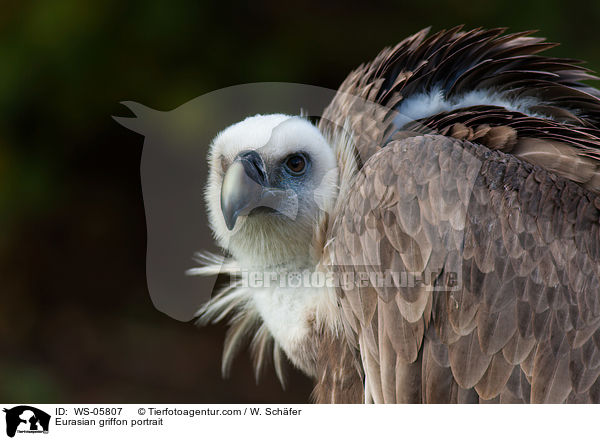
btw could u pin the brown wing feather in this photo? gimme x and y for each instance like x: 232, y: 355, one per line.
x: 523, y: 242
x: 518, y: 322
x: 456, y: 62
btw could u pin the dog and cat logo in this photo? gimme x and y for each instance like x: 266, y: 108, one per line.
x: 26, y: 419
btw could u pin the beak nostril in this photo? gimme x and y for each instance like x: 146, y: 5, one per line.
x: 256, y: 164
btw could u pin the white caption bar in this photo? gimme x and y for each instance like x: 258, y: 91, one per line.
x: 148, y: 421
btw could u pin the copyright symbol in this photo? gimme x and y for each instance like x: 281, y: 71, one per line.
x: 141, y: 411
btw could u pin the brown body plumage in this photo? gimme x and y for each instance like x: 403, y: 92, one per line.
x: 489, y: 201
x: 523, y: 327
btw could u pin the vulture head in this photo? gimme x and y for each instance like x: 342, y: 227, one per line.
x: 271, y: 179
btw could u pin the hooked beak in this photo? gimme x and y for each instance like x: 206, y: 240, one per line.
x: 246, y: 187
x: 242, y: 187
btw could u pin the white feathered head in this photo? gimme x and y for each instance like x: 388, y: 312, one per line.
x: 271, y: 178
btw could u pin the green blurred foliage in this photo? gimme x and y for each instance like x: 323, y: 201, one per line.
x: 72, y: 248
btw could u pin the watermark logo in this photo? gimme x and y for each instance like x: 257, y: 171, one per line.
x: 26, y: 420
x: 175, y: 171
x: 349, y: 278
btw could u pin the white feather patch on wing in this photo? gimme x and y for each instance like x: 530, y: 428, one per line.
x: 428, y: 104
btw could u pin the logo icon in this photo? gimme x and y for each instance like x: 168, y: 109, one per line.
x: 26, y: 419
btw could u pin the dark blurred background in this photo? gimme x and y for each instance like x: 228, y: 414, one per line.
x: 76, y: 320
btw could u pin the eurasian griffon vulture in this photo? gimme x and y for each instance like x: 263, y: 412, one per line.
x: 435, y: 238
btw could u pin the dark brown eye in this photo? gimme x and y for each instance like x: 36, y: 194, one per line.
x: 296, y: 164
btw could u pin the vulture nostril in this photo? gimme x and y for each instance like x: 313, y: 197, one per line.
x: 256, y: 163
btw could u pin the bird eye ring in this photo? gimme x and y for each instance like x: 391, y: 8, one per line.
x: 296, y: 164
